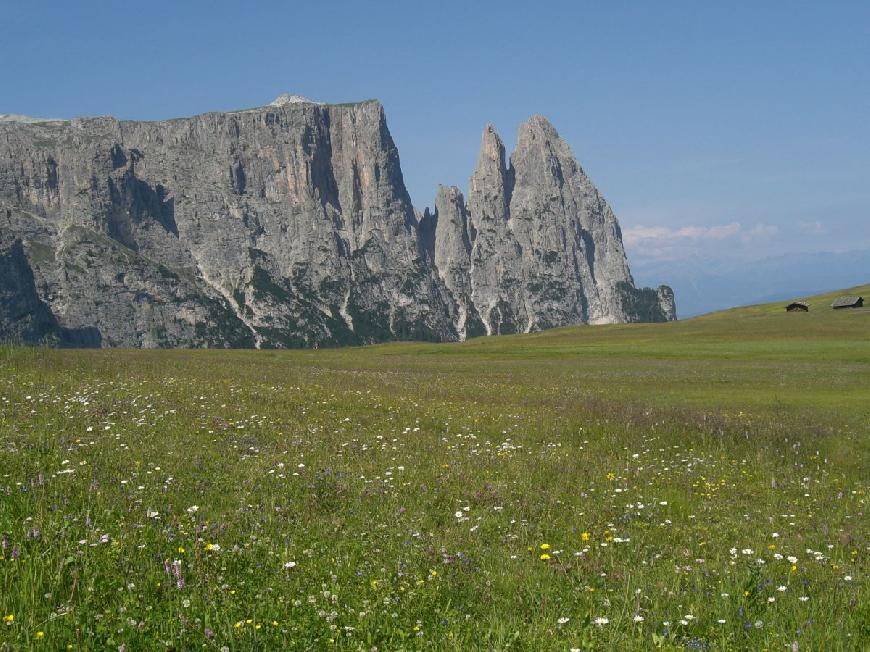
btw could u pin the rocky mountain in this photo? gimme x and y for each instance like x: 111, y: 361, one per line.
x: 290, y: 225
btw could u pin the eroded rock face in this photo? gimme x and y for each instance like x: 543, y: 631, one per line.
x: 290, y: 225
x: 544, y: 248
x: 547, y: 249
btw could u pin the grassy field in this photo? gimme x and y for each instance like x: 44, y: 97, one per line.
x: 699, y: 485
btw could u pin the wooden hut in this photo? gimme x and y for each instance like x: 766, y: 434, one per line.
x: 848, y: 302
x: 797, y: 306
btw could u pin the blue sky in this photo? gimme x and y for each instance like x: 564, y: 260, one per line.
x: 726, y: 130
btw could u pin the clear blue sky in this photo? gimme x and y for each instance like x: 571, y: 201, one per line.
x: 727, y: 128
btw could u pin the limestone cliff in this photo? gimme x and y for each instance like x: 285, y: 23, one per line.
x: 543, y: 248
x: 290, y: 225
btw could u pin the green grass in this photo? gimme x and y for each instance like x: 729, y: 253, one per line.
x: 417, y: 487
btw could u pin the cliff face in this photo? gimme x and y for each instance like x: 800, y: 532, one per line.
x: 537, y: 246
x: 290, y: 225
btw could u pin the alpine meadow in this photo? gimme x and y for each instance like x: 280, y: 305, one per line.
x: 692, y: 485
x: 434, y: 326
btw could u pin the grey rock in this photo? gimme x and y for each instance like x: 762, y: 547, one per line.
x: 452, y: 257
x: 546, y: 249
x: 12, y: 117
x: 290, y: 225
x: 287, y: 98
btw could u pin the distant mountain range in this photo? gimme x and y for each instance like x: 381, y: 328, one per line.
x: 702, y: 285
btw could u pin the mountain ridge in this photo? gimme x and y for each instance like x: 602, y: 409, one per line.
x: 290, y: 225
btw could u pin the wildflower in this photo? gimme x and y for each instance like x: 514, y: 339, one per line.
x: 584, y: 536
x: 193, y: 509
x: 638, y: 618
x: 212, y: 546
x: 848, y: 578
x: 563, y: 620
x: 545, y: 557
x: 611, y: 476
x: 40, y: 634
x: 545, y: 546
x: 804, y: 598
x: 289, y: 564
x: 601, y: 620
x: 176, y: 569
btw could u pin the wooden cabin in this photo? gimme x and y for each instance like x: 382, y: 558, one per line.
x: 848, y: 302
x: 797, y: 306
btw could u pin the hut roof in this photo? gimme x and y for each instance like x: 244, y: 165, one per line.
x: 843, y: 302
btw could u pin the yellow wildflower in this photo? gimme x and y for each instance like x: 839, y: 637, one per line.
x: 584, y: 536
x: 545, y: 546
x: 545, y: 557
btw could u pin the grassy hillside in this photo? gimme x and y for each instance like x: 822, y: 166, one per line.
x: 695, y: 485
